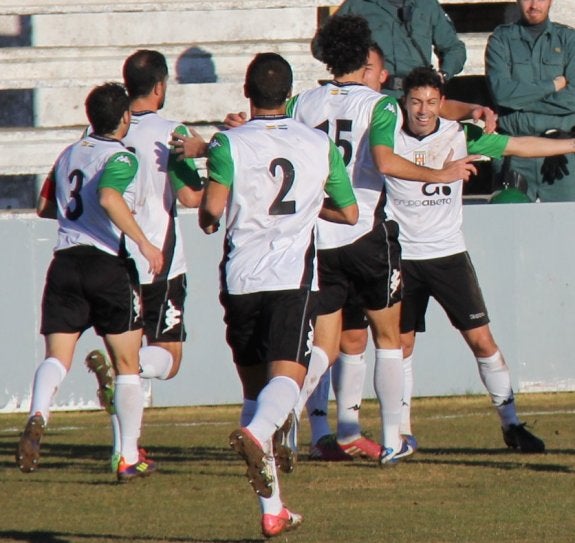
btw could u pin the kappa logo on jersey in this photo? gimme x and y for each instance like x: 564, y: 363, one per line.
x: 124, y: 158
x: 214, y: 144
x: 391, y: 108
x: 419, y: 158
x: 172, y: 317
x: 395, y: 281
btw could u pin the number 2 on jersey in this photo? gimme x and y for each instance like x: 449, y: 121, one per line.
x: 279, y: 205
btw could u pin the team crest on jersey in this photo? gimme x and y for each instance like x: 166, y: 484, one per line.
x: 124, y: 158
x: 419, y: 158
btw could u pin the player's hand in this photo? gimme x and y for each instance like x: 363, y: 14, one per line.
x: 193, y: 146
x: 233, y: 120
x: 488, y: 116
x: 454, y: 170
x: 153, y: 255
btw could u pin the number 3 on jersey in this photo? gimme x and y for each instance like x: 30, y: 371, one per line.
x: 75, y: 207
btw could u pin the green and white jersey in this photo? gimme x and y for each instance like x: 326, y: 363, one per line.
x: 349, y: 113
x: 81, y: 170
x: 159, y: 178
x: 277, y: 170
x: 430, y: 215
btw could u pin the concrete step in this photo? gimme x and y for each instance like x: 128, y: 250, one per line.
x: 36, y: 149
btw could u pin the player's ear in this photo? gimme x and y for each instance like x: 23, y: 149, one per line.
x: 246, y: 91
x: 383, y: 76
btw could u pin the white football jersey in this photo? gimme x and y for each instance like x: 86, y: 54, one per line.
x: 77, y: 173
x: 430, y: 215
x: 155, y: 205
x: 345, y: 112
x: 280, y: 167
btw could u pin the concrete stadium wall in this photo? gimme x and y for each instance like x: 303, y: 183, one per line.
x: 522, y: 257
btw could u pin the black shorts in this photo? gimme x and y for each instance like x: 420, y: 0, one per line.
x: 369, y: 267
x: 163, y: 303
x: 452, y: 281
x: 87, y: 287
x: 267, y: 326
x: 353, y: 316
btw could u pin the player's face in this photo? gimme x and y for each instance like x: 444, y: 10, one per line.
x: 375, y: 73
x: 534, y: 11
x: 422, y: 106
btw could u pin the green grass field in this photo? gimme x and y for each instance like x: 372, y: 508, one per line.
x: 462, y: 485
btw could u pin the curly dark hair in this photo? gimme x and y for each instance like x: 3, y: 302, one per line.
x: 423, y: 77
x: 342, y: 44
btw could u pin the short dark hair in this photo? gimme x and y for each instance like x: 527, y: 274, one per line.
x: 423, y: 77
x: 269, y: 80
x: 343, y: 44
x: 374, y: 46
x: 142, y: 70
x: 105, y: 106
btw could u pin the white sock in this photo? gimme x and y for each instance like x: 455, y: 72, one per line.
x: 317, y: 406
x: 248, y: 411
x: 495, y: 376
x: 116, y: 435
x: 405, y: 426
x: 388, y: 384
x: 318, y: 365
x: 129, y: 402
x: 155, y: 362
x: 47, y: 379
x: 274, y: 403
x: 348, y: 374
x: 272, y: 505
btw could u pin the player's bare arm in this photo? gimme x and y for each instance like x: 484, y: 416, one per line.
x: 389, y: 163
x: 343, y: 215
x: 461, y: 111
x: 119, y: 212
x: 212, y: 206
x: 535, y: 147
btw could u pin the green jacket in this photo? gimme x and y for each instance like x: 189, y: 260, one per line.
x: 520, y: 73
x: 430, y: 27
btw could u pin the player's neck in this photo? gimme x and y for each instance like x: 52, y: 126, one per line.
x: 145, y: 103
x: 352, y: 77
x: 264, y: 112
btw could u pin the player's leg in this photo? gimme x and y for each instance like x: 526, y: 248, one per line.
x: 163, y: 304
x: 47, y: 379
x: 496, y: 378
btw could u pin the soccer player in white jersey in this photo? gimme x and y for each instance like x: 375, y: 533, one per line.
x: 434, y: 258
x: 91, y: 281
x: 162, y: 181
x: 364, y: 258
x: 271, y: 175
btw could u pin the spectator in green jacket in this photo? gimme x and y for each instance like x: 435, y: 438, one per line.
x: 530, y: 66
x: 408, y: 31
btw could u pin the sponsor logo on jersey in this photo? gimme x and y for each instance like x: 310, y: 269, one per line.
x: 423, y: 203
x: 276, y: 127
x: 341, y: 92
x: 86, y: 143
x: 172, y: 317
